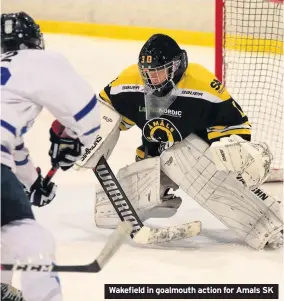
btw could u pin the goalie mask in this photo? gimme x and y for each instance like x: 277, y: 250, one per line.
x: 19, y: 31
x: 162, y: 64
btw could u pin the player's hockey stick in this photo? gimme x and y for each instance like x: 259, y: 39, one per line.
x: 50, y: 175
x: 115, y: 240
x: 140, y: 233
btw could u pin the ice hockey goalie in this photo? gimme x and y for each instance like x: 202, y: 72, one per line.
x: 195, y: 137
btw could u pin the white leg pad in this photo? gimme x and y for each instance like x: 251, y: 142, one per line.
x: 253, y: 214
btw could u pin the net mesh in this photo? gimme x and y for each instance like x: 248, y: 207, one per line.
x: 253, y: 67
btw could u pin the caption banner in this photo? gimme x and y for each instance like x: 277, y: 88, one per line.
x: 191, y: 291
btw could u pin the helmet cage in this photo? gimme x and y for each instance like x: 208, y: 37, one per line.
x: 150, y: 75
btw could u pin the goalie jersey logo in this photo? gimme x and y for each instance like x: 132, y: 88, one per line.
x: 163, y: 131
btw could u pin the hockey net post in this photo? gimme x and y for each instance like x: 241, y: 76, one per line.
x: 249, y: 61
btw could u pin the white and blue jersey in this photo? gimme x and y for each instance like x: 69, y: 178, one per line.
x: 36, y: 79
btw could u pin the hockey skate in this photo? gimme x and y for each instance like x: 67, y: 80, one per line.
x: 9, y: 293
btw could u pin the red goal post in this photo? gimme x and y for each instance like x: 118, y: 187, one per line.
x: 249, y: 61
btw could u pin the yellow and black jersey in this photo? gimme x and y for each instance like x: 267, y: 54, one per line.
x: 203, y: 106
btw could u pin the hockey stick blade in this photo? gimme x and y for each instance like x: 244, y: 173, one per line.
x: 114, y: 242
x: 123, y: 207
x: 150, y: 235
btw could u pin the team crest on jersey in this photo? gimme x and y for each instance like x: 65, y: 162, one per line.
x: 161, y: 130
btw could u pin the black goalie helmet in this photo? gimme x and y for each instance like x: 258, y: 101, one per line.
x: 162, y: 63
x: 19, y: 31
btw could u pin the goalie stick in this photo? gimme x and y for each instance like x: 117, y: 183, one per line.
x: 113, y: 244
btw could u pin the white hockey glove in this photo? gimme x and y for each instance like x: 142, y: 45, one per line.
x: 251, y: 160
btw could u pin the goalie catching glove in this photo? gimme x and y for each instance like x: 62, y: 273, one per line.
x: 251, y: 160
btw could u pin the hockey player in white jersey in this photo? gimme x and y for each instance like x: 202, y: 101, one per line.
x: 31, y: 79
x: 195, y: 137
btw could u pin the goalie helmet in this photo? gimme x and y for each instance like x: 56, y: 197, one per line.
x: 162, y: 63
x: 19, y: 31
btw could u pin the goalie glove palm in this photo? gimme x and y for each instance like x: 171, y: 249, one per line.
x: 251, y: 160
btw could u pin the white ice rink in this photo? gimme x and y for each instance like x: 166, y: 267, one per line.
x: 216, y: 256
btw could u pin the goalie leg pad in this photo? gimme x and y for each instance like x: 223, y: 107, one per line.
x: 147, y: 190
x: 253, y: 214
x: 140, y: 182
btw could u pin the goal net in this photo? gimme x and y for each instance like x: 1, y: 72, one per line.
x: 249, y: 61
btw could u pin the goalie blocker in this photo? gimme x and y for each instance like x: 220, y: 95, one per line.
x: 227, y: 193
x: 105, y: 141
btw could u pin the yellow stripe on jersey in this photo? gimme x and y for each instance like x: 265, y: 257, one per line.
x: 222, y: 128
x: 220, y: 131
x: 105, y: 97
x: 197, y: 78
x: 126, y: 124
x: 128, y: 121
x: 214, y: 135
x: 122, y: 127
x: 140, y: 154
